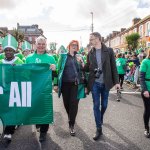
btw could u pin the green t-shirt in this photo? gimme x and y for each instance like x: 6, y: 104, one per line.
x: 40, y: 58
x: 55, y: 57
x: 2, y: 56
x: 20, y: 55
x: 145, y: 67
x: 120, y: 63
x: 16, y: 61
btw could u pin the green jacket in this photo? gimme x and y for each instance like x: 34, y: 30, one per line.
x: 61, y: 65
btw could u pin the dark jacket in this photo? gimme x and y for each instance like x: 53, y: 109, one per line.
x: 108, y: 67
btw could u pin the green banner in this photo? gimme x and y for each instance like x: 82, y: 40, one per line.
x: 26, y: 94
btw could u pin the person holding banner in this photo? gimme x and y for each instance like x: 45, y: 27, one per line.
x: 9, y: 45
x: 71, y: 81
x: 40, y: 56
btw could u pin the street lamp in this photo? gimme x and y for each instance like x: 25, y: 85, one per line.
x: 92, y: 23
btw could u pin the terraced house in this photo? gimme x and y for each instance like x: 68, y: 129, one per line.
x: 117, y: 40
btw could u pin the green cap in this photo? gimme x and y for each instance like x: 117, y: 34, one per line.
x: 62, y: 50
x: 9, y: 42
x: 26, y: 46
x: 1, y: 40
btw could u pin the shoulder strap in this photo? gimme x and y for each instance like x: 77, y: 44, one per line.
x: 75, y: 70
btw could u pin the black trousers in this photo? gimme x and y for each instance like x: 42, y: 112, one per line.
x: 146, y: 115
x: 69, y: 93
x: 43, y: 127
x: 9, y: 130
x: 121, y: 79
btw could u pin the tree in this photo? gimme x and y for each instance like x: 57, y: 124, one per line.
x: 3, y: 33
x: 18, y: 35
x: 132, y: 41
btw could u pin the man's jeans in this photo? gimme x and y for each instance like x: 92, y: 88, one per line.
x: 98, y: 90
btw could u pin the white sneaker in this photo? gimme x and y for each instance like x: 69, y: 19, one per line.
x: 146, y: 133
x: 7, y: 137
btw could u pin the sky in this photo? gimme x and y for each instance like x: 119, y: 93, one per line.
x: 66, y: 20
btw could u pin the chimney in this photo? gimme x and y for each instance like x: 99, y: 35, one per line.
x: 110, y: 35
x: 17, y: 25
x: 123, y: 29
x: 114, y: 33
x: 135, y: 21
x: 35, y: 25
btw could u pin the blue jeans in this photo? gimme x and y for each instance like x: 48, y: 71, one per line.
x: 98, y: 90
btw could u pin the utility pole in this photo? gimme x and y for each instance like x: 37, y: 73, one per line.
x: 92, y: 26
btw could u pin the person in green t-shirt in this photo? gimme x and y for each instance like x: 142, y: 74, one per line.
x: 145, y: 85
x: 40, y: 56
x: 9, y: 45
x: 26, y: 49
x: 1, y: 49
x: 121, y: 65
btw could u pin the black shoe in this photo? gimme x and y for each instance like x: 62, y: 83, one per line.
x: 42, y: 137
x: 118, y: 100
x: 38, y: 128
x: 72, y: 131
x: 98, y: 134
x: 121, y: 88
x: 6, y: 140
x: 146, y: 133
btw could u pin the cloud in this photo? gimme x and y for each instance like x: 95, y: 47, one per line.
x: 144, y: 4
x: 65, y: 19
x: 7, y: 4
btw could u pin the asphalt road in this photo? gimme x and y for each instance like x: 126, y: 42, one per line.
x: 122, y: 130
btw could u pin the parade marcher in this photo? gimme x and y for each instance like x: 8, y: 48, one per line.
x: 70, y: 81
x: 121, y: 65
x: 136, y: 61
x: 145, y: 85
x: 2, y: 55
x: 26, y: 49
x: 1, y: 49
x: 9, y: 45
x: 40, y: 56
x: 103, y: 76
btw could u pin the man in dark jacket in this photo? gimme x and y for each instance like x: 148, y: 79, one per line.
x: 103, y: 76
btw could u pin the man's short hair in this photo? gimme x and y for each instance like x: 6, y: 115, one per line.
x: 97, y: 34
x: 40, y: 38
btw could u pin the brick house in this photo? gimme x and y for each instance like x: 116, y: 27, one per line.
x: 30, y: 32
x: 116, y: 39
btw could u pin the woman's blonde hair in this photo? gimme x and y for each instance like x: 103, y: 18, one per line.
x: 148, y: 53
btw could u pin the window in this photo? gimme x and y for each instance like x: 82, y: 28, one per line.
x: 148, y: 44
x: 141, y: 31
x: 31, y: 30
x: 147, y: 29
x: 30, y: 38
x: 135, y: 30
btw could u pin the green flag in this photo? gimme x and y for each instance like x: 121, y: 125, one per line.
x: 26, y: 94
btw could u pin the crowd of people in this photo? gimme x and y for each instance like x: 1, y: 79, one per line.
x: 76, y: 75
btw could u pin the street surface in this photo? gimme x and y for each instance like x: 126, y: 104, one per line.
x: 122, y: 130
